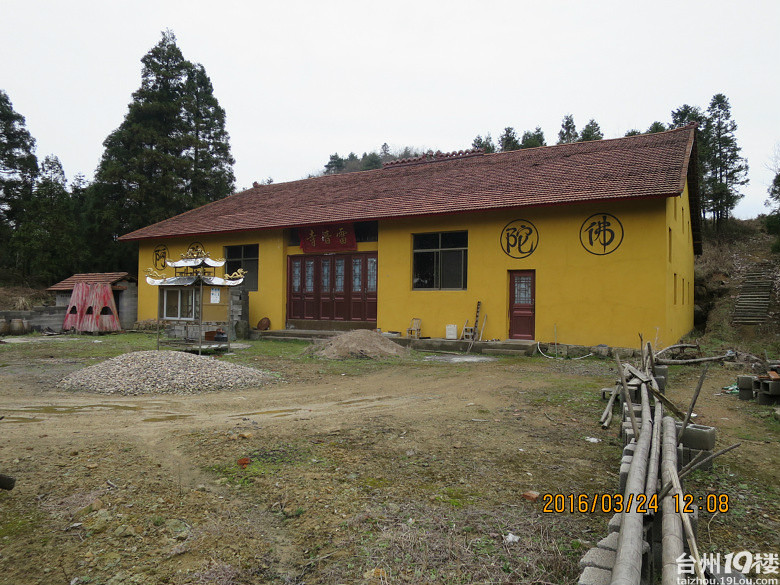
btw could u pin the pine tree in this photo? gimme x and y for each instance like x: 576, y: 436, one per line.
x: 170, y: 154
x: 568, y: 132
x: 18, y: 169
x: 591, y: 131
x: 486, y: 144
x: 533, y: 139
x: 726, y: 169
x: 508, y: 140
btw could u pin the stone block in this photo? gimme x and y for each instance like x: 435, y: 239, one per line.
x: 578, y: 351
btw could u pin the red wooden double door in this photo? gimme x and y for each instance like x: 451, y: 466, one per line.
x: 337, y: 287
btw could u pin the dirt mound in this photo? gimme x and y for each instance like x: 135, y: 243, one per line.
x: 360, y: 343
x: 162, y: 372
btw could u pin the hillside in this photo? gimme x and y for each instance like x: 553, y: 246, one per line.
x: 744, y: 249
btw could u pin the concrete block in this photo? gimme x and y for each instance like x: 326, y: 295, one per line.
x: 637, y: 411
x: 606, y: 393
x: 624, y: 469
x: 698, y: 436
x: 745, y: 382
x: 661, y: 381
x: 771, y: 387
x: 661, y: 371
x: 756, y: 384
x: 683, y: 456
x: 747, y: 393
x: 594, y: 576
x: 695, y: 453
x: 629, y: 449
x: 765, y: 399
x: 598, y: 558
x: 610, y: 542
x: 615, y: 522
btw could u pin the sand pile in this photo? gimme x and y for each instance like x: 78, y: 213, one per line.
x: 360, y: 343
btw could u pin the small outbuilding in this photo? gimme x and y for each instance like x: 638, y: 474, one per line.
x: 123, y: 287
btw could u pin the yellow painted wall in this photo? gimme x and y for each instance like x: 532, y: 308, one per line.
x: 586, y: 299
x: 268, y: 301
x: 679, y: 270
x: 582, y: 298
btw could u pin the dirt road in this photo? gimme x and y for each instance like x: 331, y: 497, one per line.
x: 400, y: 471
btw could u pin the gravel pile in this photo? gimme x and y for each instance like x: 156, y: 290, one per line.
x: 162, y: 372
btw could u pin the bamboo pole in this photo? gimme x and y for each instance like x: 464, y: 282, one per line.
x: 628, y: 556
x: 672, y: 546
x: 677, y: 346
x: 655, y: 452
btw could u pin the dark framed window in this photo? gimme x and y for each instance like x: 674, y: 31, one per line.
x: 440, y: 261
x: 245, y: 257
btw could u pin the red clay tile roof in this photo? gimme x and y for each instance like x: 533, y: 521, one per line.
x: 650, y: 165
x: 90, y: 278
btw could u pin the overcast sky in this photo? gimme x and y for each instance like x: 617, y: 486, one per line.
x: 300, y: 80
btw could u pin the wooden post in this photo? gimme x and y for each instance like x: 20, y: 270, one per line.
x: 693, y: 402
x: 627, y: 398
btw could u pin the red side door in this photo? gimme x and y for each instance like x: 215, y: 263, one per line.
x: 522, y: 296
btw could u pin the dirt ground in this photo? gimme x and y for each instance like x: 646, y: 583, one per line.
x: 354, y: 471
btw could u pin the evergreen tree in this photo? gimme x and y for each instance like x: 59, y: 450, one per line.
x: 656, y: 127
x: 45, y: 241
x: 568, y: 132
x: 726, y: 170
x: 18, y: 169
x: 533, y: 139
x: 210, y: 165
x: 686, y: 114
x: 632, y: 132
x: 508, y: 140
x: 334, y: 165
x: 591, y: 131
x: 170, y: 154
x: 486, y: 144
x: 370, y: 161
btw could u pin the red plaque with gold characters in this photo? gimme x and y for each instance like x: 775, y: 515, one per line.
x: 328, y: 238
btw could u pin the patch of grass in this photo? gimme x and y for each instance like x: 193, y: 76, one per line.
x: 13, y: 525
x: 265, y: 461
